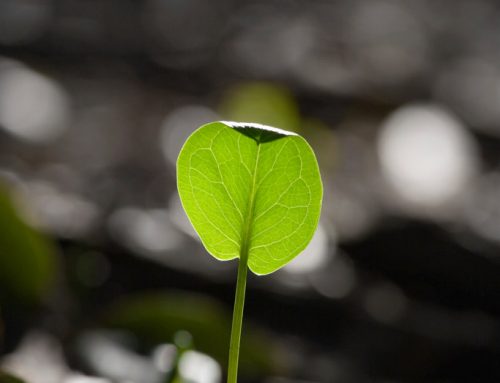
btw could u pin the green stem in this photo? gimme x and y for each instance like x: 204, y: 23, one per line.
x: 239, y: 302
x: 241, y: 282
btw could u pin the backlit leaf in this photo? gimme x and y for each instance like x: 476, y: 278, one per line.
x: 250, y: 187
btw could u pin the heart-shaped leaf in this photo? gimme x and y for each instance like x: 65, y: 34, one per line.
x: 250, y: 190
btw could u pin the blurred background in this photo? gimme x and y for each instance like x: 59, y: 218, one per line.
x: 102, y: 278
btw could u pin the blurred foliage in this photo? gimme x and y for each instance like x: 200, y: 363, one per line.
x: 7, y: 378
x: 158, y: 317
x: 263, y: 103
x: 27, y: 258
x: 322, y: 139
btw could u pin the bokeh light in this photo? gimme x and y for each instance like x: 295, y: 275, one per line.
x: 426, y: 155
x: 32, y: 106
x: 199, y: 368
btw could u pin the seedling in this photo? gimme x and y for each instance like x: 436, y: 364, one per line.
x: 251, y: 192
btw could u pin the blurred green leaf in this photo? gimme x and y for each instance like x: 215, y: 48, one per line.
x: 262, y: 103
x: 7, y: 378
x: 324, y: 143
x: 157, y: 317
x: 27, y: 258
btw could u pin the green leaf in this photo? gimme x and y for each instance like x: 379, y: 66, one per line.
x: 250, y: 188
x: 28, y: 263
x: 7, y: 378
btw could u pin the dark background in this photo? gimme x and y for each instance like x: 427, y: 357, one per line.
x: 103, y: 280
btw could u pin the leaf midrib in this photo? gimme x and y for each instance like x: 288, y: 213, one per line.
x: 247, y: 226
